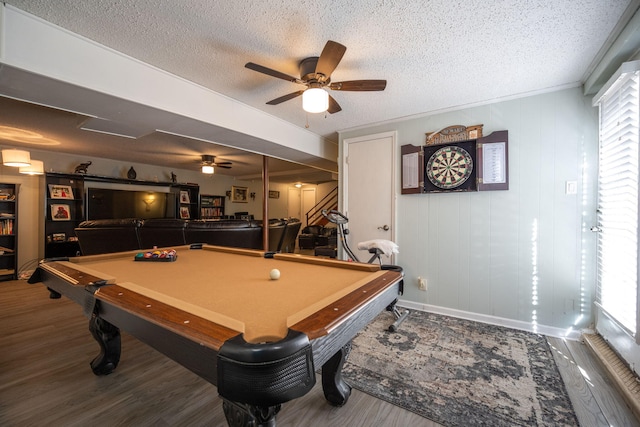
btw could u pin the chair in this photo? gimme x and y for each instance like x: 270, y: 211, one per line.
x: 277, y: 229
x: 290, y: 235
x: 309, y: 237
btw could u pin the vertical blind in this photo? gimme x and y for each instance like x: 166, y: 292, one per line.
x: 617, y: 290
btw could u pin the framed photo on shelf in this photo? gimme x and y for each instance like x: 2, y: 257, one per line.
x: 184, y: 212
x: 60, y: 212
x: 239, y: 194
x: 274, y: 194
x: 184, y: 197
x: 58, y: 237
x: 60, y: 191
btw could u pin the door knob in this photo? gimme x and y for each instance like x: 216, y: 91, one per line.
x: 384, y: 227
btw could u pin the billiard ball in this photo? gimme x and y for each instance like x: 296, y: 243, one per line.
x: 274, y: 274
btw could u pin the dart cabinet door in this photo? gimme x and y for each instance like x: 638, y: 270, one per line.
x: 473, y: 165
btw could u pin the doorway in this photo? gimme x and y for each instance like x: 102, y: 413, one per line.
x: 369, y: 188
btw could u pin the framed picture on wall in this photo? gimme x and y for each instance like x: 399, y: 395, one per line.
x: 274, y: 194
x: 60, y: 212
x: 239, y: 194
x: 60, y: 191
x: 184, y: 197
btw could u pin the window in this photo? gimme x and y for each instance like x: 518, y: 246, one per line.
x: 617, y: 292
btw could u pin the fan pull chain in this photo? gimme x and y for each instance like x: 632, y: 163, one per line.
x: 307, y: 117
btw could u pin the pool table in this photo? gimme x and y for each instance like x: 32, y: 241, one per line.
x: 216, y: 311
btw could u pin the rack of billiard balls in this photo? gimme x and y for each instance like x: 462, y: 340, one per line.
x: 157, y: 255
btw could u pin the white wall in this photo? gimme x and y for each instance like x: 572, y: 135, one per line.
x: 491, y: 255
x: 32, y: 193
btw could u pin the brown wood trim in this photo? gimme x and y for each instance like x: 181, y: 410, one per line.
x: 195, y: 328
x: 265, y: 203
x: 102, y: 257
x: 230, y: 250
x: 328, y: 262
x: 71, y: 275
x: 322, y: 322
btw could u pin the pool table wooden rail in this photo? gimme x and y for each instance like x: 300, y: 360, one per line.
x: 327, y: 319
x: 195, y: 328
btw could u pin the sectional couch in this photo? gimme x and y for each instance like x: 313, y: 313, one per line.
x: 116, y: 235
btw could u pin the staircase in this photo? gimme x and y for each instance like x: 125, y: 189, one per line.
x: 328, y: 202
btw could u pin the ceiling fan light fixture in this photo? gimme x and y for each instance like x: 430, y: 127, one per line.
x: 16, y: 158
x: 208, y: 169
x: 315, y: 100
x: 36, y: 168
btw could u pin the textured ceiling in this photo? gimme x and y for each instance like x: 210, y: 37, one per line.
x: 435, y: 55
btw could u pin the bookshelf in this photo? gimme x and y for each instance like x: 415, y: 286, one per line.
x: 211, y: 207
x: 8, y: 231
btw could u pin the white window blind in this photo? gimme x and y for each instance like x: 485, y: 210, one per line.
x: 617, y: 291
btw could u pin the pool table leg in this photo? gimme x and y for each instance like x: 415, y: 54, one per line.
x: 108, y: 337
x: 244, y: 415
x: 336, y: 390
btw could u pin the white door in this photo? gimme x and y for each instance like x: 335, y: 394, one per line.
x: 308, y: 202
x: 293, y: 206
x: 369, y: 189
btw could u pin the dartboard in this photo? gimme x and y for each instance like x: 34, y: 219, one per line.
x: 449, y: 167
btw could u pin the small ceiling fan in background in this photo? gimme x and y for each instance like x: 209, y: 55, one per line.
x: 209, y: 162
x: 315, y: 74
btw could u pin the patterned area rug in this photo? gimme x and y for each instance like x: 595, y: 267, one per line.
x: 460, y: 373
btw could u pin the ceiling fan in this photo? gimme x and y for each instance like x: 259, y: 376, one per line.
x: 315, y: 74
x: 209, y: 162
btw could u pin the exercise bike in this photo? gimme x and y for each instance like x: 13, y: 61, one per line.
x: 376, y: 248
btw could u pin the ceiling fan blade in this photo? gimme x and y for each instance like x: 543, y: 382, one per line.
x: 285, y: 98
x: 222, y: 166
x: 334, y: 107
x: 359, y: 85
x: 270, y: 72
x: 330, y: 58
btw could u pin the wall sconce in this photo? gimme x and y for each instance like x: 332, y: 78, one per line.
x: 228, y: 194
x: 36, y: 168
x: 253, y: 196
x: 16, y: 158
x: 148, y: 201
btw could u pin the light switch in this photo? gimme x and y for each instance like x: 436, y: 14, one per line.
x: 571, y: 187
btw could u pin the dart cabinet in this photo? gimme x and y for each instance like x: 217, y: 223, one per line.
x: 454, y: 163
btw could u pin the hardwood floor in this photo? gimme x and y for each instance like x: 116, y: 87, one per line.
x: 595, y: 398
x: 45, y: 379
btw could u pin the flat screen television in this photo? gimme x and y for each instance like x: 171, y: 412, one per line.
x: 103, y: 203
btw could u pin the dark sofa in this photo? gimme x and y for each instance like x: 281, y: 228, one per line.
x: 238, y: 233
x: 115, y: 235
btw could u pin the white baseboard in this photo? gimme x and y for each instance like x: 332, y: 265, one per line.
x: 570, y: 334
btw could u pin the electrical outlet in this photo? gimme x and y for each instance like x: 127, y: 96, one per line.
x: 422, y: 283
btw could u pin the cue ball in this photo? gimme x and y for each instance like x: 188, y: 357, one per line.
x: 274, y: 274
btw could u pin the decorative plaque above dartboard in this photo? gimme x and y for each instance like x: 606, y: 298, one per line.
x: 454, y: 133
